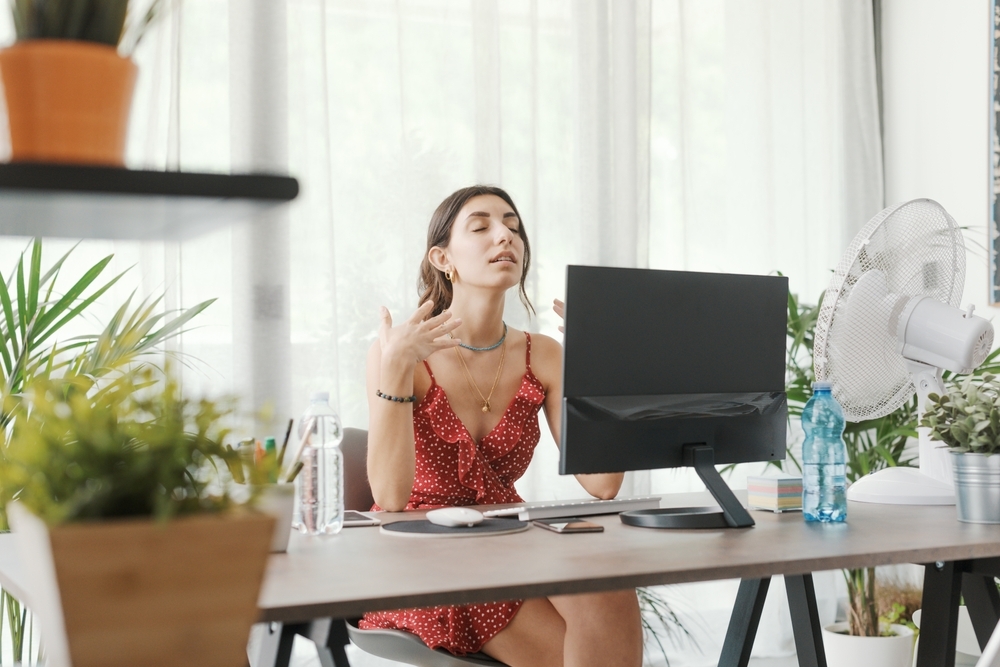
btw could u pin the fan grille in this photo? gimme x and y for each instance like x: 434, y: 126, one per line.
x: 918, y: 249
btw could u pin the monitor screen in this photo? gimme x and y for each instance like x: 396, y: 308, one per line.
x: 655, y: 361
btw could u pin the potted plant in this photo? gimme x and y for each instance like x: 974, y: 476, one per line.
x: 36, y: 305
x: 966, y: 418
x: 867, y: 637
x: 69, y: 78
x: 134, y: 550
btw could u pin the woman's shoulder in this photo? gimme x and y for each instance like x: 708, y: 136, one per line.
x: 544, y: 346
x: 546, y: 359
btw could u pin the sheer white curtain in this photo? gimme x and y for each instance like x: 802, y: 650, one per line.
x: 709, y: 135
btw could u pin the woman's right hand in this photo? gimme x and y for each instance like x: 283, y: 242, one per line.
x: 418, y: 337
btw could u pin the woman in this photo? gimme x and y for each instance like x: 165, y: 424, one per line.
x: 439, y: 434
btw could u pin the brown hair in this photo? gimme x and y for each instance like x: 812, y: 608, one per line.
x: 432, y: 285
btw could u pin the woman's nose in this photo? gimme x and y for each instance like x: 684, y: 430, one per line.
x: 505, y: 234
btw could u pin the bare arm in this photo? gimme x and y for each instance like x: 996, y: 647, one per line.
x: 549, y: 367
x: 391, y: 363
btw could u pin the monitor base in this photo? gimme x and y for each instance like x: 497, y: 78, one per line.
x: 676, y: 517
x: 732, y: 515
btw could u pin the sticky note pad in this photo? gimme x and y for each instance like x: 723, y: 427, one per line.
x: 780, y: 493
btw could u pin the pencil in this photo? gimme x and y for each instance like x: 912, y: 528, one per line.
x: 284, y: 445
x: 293, y: 472
x: 306, y: 432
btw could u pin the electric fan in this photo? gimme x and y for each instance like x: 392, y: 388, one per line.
x: 889, y: 324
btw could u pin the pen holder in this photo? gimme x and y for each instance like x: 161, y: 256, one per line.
x: 278, y: 500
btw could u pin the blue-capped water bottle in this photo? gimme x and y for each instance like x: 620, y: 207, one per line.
x: 824, y: 458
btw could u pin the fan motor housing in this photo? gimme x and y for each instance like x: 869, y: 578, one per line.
x: 940, y: 335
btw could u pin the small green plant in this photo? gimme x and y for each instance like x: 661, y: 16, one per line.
x: 660, y: 622
x: 862, y: 611
x: 135, y: 447
x: 966, y: 418
x: 119, y: 23
x: 896, y: 616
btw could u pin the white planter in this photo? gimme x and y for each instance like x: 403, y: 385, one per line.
x: 846, y: 651
x: 278, y: 500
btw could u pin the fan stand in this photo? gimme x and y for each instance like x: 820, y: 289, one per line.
x: 931, y: 484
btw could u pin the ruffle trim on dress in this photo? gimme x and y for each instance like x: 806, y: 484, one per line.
x: 472, y: 461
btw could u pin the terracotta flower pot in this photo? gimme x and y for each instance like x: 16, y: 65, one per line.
x: 137, y: 592
x: 67, y: 101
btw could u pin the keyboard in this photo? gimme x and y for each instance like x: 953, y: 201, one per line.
x: 572, y: 508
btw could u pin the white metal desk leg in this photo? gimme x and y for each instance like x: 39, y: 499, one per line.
x: 991, y: 654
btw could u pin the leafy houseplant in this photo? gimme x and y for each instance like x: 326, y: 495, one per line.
x: 35, y: 309
x: 91, y: 474
x: 106, y: 22
x: 130, y: 448
x: 36, y: 306
x: 68, y: 89
x: 660, y: 622
x: 966, y: 418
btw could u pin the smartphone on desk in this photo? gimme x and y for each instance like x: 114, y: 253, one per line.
x: 569, y: 525
x: 352, y: 518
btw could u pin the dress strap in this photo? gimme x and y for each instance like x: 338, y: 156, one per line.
x: 527, y: 350
x: 430, y: 372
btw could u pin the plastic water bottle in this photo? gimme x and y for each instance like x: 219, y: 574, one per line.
x: 824, y: 458
x: 319, y: 486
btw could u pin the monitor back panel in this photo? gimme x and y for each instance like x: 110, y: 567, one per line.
x: 654, y: 360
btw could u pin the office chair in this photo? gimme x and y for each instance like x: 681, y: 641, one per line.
x: 389, y: 644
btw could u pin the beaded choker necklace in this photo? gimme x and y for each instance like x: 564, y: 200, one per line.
x: 491, y: 347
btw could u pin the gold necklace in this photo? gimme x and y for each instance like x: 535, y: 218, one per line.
x: 472, y: 383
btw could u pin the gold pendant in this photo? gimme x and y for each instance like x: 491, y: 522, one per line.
x: 486, y: 406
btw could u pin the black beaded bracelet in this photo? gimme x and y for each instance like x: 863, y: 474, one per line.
x: 397, y: 399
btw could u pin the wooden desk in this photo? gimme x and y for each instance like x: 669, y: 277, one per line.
x: 363, y: 570
x: 369, y: 571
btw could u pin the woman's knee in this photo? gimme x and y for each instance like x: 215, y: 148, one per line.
x: 612, y: 608
x: 534, y: 637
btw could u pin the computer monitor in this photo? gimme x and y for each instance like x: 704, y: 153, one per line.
x: 673, y: 368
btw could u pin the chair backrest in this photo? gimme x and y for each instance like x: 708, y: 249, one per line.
x: 357, y: 492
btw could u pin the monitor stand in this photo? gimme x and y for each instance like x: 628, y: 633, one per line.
x: 733, y: 514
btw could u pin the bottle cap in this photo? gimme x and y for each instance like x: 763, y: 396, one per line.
x: 822, y: 384
x: 269, y: 444
x: 323, y: 396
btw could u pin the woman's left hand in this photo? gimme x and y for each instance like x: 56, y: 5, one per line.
x: 560, y: 309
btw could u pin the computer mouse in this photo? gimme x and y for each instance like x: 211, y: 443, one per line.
x: 454, y: 517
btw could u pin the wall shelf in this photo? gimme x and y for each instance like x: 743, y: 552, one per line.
x: 70, y: 201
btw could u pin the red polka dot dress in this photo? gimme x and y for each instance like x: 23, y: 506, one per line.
x: 453, y: 470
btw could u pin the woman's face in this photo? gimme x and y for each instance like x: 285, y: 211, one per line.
x: 485, y: 248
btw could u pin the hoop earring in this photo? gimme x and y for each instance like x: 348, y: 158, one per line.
x: 449, y: 275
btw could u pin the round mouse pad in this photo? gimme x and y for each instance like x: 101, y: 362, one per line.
x: 424, y: 528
